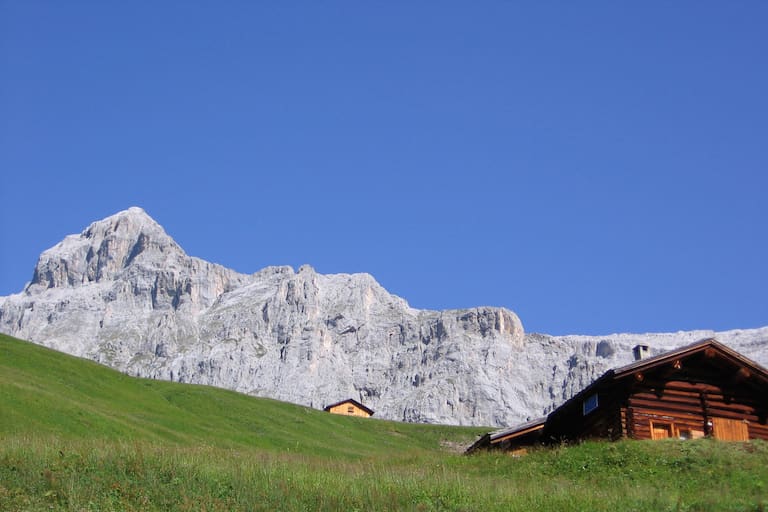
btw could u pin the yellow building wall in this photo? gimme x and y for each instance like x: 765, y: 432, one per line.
x: 348, y: 410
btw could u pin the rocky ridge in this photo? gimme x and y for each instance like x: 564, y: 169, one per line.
x: 123, y: 293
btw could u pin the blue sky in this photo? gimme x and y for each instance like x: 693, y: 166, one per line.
x: 594, y: 167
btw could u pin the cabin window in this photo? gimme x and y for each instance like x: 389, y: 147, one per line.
x: 689, y: 433
x: 666, y: 430
x: 661, y: 430
x: 351, y: 409
x: 589, y: 404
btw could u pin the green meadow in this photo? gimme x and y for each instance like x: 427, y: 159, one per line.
x: 77, y: 436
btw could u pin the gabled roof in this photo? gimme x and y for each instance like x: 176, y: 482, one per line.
x: 711, y: 344
x: 349, y: 401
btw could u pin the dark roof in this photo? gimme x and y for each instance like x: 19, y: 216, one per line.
x: 506, y: 434
x: 687, y: 350
x: 519, y: 430
x: 349, y: 401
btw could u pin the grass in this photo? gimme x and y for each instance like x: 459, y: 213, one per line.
x: 76, y: 436
x: 47, y: 392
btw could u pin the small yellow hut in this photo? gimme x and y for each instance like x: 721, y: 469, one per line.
x: 349, y: 407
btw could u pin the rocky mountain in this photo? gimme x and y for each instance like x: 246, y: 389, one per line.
x: 123, y: 293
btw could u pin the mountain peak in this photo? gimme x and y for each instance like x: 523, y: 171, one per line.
x: 136, y: 210
x: 104, y: 249
x: 134, y: 219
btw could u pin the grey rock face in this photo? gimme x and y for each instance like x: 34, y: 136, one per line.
x: 123, y: 293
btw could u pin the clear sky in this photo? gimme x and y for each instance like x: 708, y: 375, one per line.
x: 596, y: 167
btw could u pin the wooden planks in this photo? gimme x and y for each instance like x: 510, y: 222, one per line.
x: 728, y: 429
x: 690, y: 409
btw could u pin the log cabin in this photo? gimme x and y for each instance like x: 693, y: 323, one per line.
x: 701, y: 390
x: 349, y: 407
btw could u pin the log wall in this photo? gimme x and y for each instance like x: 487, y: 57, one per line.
x: 605, y: 421
x: 688, y: 409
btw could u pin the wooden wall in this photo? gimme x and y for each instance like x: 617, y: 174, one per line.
x: 569, y: 423
x: 348, y: 409
x: 688, y: 409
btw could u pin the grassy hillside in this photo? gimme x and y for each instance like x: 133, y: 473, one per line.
x: 49, y: 393
x: 75, y: 436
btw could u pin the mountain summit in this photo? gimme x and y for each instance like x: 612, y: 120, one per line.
x: 105, y: 249
x: 125, y: 294
x: 131, y: 248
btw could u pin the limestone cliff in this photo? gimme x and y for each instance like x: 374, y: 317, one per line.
x: 123, y: 293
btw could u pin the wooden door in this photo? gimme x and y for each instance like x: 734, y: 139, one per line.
x: 730, y: 430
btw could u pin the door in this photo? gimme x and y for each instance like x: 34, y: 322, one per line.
x: 730, y: 430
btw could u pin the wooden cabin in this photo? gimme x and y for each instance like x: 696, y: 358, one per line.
x: 349, y: 407
x: 702, y: 390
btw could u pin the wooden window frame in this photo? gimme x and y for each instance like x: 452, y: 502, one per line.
x: 667, y: 425
x: 675, y: 431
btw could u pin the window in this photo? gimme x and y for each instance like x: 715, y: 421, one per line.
x: 689, y: 433
x: 667, y: 429
x: 589, y: 404
x: 351, y: 409
x: 661, y: 430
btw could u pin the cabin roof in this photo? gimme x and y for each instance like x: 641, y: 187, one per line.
x: 687, y: 350
x: 349, y: 401
x: 519, y: 430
